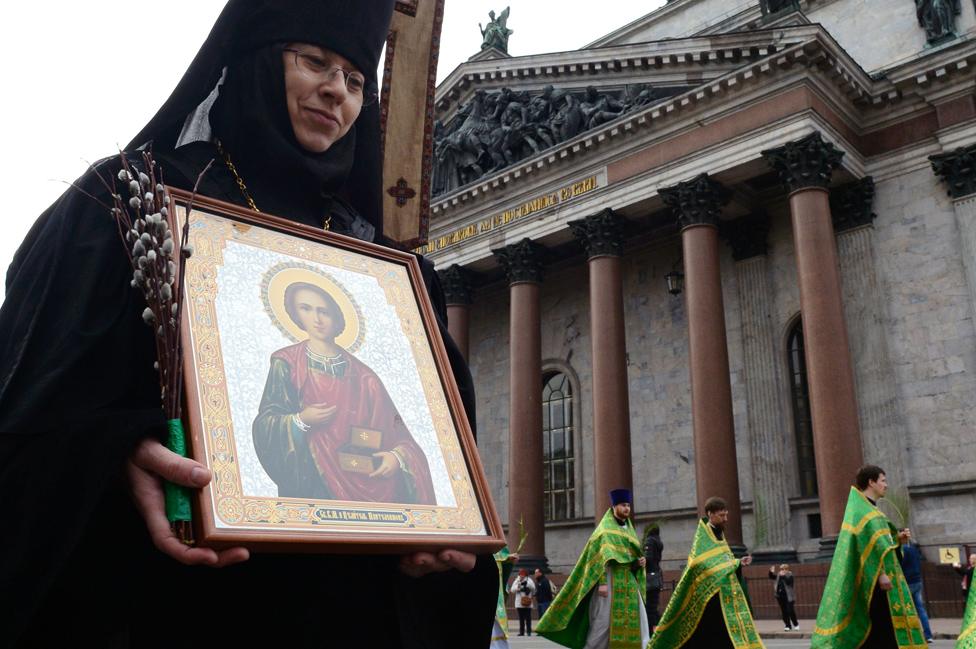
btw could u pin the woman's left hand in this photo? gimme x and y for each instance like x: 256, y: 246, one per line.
x: 388, y: 466
x: 424, y: 563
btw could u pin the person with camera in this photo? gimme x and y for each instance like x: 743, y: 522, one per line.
x: 524, y: 590
x: 785, y: 597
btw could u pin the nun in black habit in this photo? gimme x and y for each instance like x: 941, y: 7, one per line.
x: 86, y: 557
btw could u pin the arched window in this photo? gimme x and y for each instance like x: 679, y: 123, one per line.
x: 558, y: 454
x: 802, y: 422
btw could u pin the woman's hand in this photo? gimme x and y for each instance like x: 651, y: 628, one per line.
x: 149, y: 465
x: 389, y: 464
x: 317, y: 413
x: 424, y: 563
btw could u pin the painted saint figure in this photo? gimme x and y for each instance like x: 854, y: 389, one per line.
x: 327, y: 428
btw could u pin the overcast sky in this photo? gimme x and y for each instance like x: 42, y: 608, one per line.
x: 70, y: 73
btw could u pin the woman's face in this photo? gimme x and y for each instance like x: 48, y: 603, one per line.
x: 314, y: 315
x: 321, y: 112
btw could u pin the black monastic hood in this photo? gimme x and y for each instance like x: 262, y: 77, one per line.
x: 356, y: 29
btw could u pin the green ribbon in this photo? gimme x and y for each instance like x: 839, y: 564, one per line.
x: 177, y: 496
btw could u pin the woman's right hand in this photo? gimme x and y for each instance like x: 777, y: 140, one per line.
x: 147, y: 467
x: 317, y: 413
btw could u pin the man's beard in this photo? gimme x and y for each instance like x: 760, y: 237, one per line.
x: 720, y: 526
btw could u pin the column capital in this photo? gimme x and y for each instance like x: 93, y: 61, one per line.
x: 522, y: 261
x: 601, y: 234
x: 456, y: 282
x: 804, y: 163
x: 697, y: 201
x: 747, y: 235
x: 957, y: 168
x: 850, y: 204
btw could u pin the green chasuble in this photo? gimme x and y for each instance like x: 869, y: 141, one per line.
x: 610, y: 546
x: 866, y: 547
x: 711, y: 570
x: 967, y: 635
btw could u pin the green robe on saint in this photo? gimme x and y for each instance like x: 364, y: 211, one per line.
x: 967, y: 635
x: 866, y: 547
x: 712, y: 571
x: 612, y: 550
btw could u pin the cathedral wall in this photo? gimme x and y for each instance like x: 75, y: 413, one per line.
x: 893, y: 33
x: 877, y: 33
x: 931, y: 341
x: 929, y: 320
x: 681, y: 19
x: 489, y: 340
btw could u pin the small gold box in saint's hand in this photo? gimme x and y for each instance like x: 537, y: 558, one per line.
x: 365, y: 438
x: 357, y: 455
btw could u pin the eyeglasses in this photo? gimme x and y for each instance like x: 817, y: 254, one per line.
x: 320, y: 70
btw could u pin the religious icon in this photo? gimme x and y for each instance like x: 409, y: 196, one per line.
x: 320, y: 395
x: 327, y: 427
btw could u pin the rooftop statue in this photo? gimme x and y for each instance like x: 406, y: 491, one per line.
x: 938, y: 18
x: 497, y: 32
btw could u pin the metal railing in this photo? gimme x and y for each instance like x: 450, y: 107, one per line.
x: 940, y: 587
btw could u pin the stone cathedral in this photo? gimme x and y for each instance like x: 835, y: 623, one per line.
x: 728, y: 249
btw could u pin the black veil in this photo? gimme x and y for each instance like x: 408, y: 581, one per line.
x: 356, y: 29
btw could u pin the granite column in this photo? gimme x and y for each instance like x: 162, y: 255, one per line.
x: 697, y: 204
x: 602, y: 237
x: 806, y: 166
x: 523, y: 267
x: 456, y: 282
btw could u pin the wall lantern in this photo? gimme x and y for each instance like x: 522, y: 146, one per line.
x: 675, y: 279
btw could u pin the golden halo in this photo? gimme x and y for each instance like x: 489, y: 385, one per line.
x: 280, y: 276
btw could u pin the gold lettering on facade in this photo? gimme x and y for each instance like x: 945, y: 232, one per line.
x: 519, y: 212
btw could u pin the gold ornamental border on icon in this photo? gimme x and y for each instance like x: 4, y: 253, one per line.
x: 277, y: 278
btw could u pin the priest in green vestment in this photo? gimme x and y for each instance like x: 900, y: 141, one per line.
x: 867, y: 603
x: 709, y: 608
x: 601, y: 604
x: 967, y: 635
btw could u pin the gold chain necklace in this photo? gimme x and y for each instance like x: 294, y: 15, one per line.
x: 243, y: 187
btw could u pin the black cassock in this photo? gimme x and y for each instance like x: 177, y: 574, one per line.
x: 77, y: 394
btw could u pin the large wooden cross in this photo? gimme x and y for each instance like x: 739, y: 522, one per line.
x: 407, y: 114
